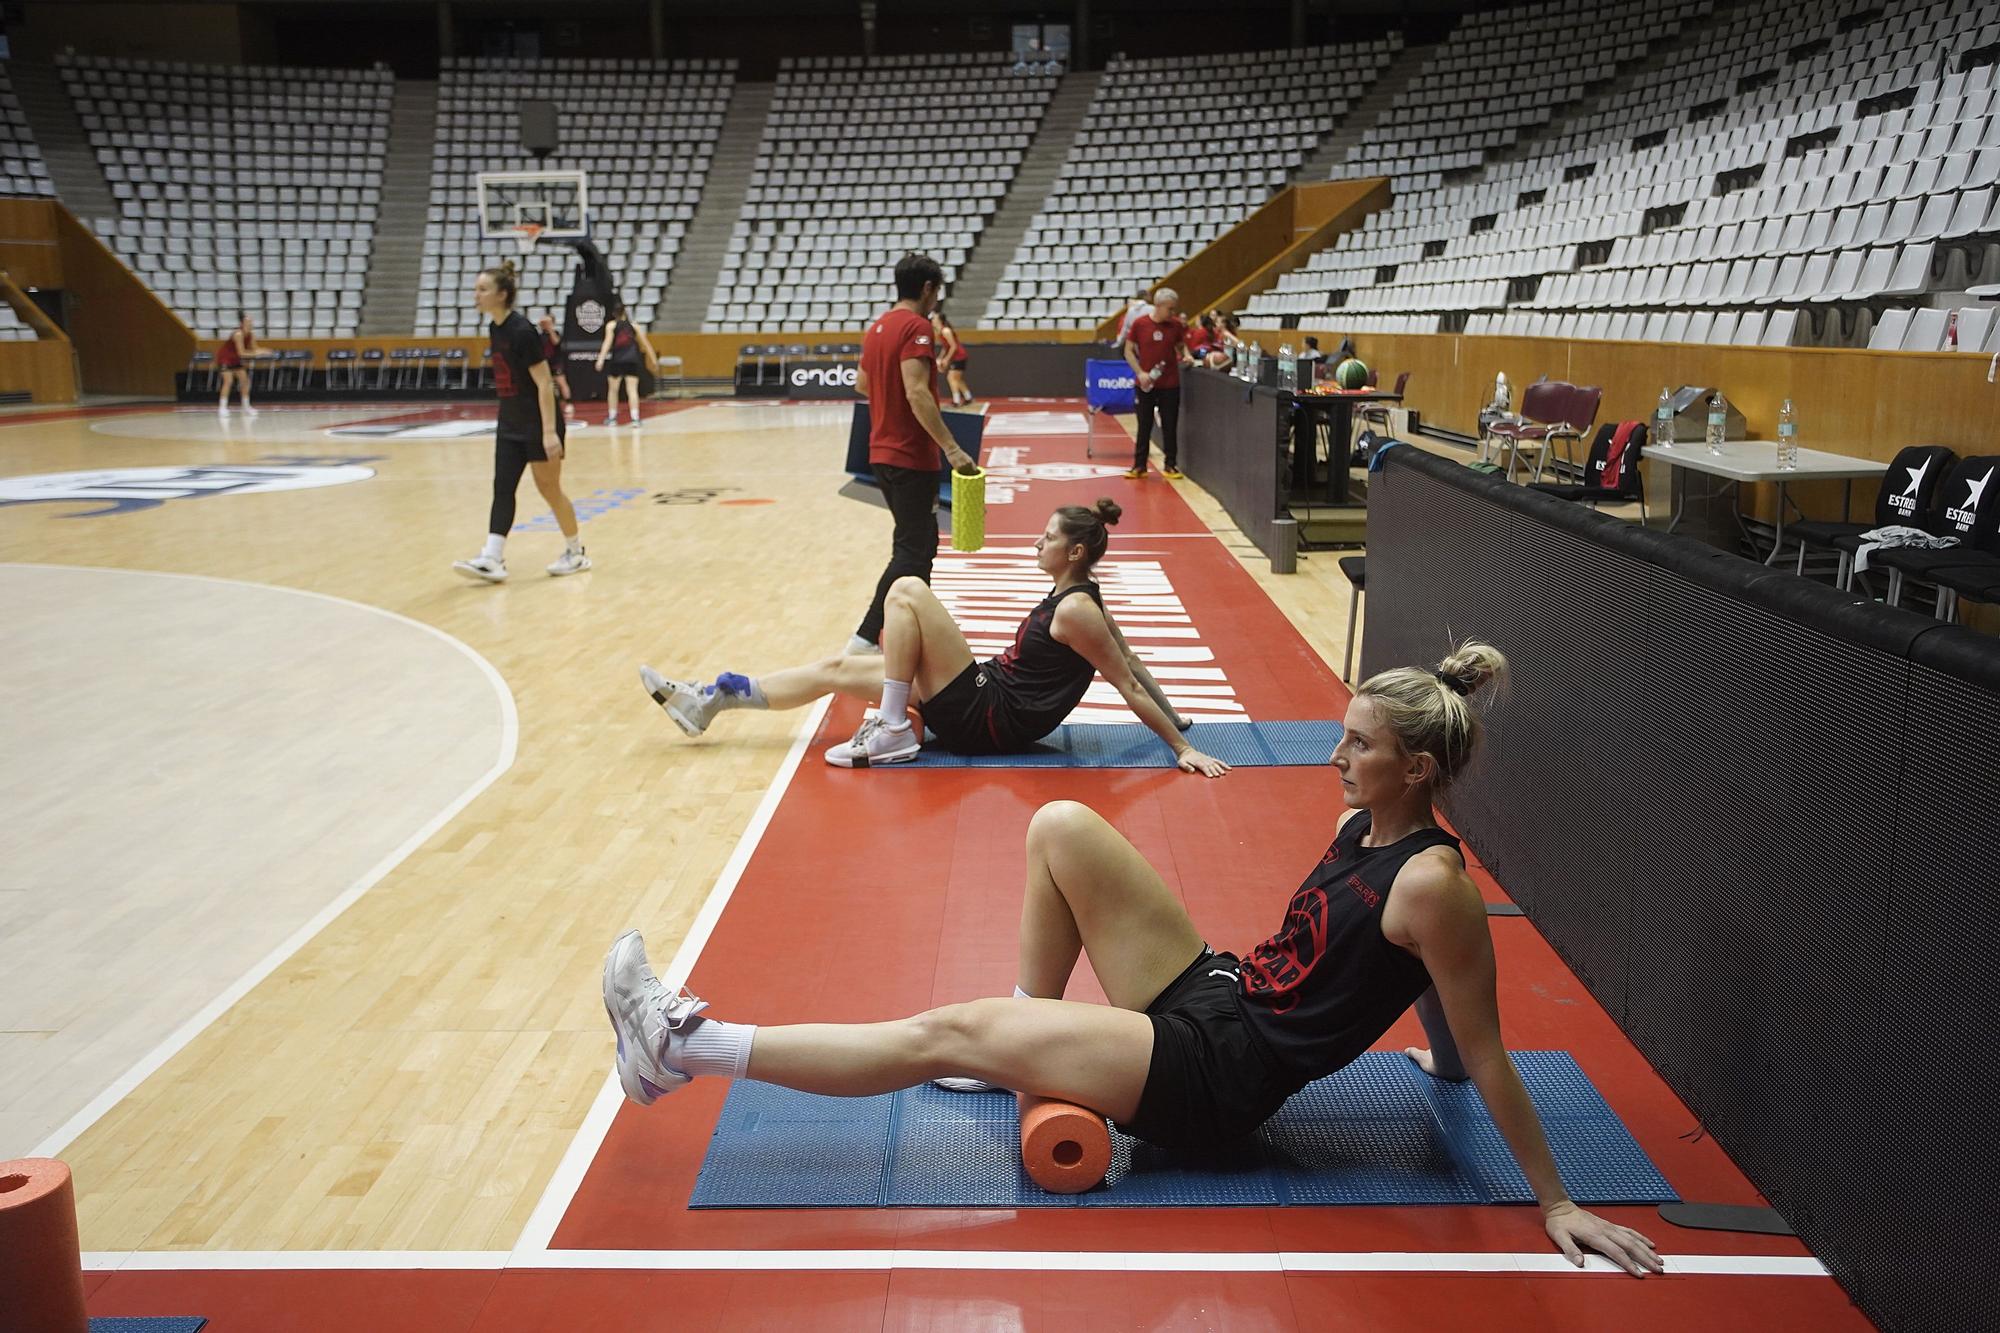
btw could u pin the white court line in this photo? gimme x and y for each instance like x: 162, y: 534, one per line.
x: 568, y: 1177
x: 510, y: 728
x: 1120, y: 535
x: 1538, y: 1263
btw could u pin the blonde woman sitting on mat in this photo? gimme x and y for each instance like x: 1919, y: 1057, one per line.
x: 1001, y: 706
x: 1196, y: 1048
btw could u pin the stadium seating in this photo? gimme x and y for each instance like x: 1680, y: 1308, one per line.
x: 1171, y: 154
x: 23, y: 174
x: 12, y: 330
x: 860, y: 162
x: 241, y: 189
x: 1800, y: 168
x: 645, y: 130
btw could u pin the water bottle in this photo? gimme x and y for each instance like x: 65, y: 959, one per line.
x: 1254, y: 369
x: 1663, y: 421
x: 1503, y: 397
x: 1718, y: 419
x: 1788, y: 436
x: 1288, y: 367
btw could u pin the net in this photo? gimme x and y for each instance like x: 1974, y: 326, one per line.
x: 526, y: 234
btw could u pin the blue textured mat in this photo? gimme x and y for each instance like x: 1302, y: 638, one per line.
x: 1378, y: 1132
x: 148, y: 1324
x: 1131, y: 745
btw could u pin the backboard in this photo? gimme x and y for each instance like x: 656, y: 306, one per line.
x: 558, y: 200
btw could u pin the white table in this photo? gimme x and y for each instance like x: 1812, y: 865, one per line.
x: 1757, y: 460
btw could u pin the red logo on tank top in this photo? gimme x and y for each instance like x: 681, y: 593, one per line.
x: 1363, y: 892
x: 1280, y: 965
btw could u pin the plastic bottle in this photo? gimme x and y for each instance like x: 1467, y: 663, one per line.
x: 1503, y: 397
x: 1288, y: 367
x: 1663, y: 421
x: 1788, y: 436
x: 1718, y: 422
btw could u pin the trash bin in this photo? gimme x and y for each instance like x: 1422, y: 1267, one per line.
x: 1284, y: 546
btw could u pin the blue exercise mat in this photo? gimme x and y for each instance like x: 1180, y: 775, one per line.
x: 151, y: 1323
x: 1378, y: 1132
x: 1131, y: 745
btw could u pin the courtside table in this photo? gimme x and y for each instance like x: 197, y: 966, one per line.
x: 1757, y: 460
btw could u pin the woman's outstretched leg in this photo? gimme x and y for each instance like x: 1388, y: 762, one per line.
x: 693, y: 706
x: 1095, y: 1055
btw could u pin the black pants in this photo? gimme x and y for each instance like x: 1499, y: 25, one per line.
x: 1167, y: 402
x: 913, y: 500
x: 511, y: 457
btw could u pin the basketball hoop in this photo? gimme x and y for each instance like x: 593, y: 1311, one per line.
x: 526, y: 234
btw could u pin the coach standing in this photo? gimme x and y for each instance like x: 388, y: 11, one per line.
x: 1155, y: 345
x: 906, y: 430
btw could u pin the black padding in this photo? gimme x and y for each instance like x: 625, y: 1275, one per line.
x: 1727, y: 1217
x: 1355, y: 567
x: 1980, y: 583
x: 1968, y: 658
x: 1855, y: 619
x: 1821, y: 532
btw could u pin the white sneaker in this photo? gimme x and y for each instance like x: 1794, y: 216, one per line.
x: 648, y: 1022
x: 966, y: 1084
x: 876, y: 744
x: 860, y: 647
x: 249, y: 411
x: 611, y: 420
x: 569, y: 562
x: 482, y: 567
x: 691, y: 706
x: 222, y: 411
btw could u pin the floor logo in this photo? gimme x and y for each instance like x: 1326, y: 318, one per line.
x: 126, y: 490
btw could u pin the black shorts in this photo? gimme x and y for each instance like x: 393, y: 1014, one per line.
x: 960, y: 364
x: 623, y: 368
x: 1210, y: 1081
x: 970, y: 714
x: 527, y: 448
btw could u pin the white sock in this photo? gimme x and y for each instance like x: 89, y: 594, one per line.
x: 895, y: 703
x: 574, y: 545
x: 1020, y: 994
x: 494, y: 544
x: 715, y: 1047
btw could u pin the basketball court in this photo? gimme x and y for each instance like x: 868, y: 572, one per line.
x: 319, y: 1032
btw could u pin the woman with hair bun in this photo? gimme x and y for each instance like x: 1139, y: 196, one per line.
x: 1196, y: 1048
x: 529, y: 434
x: 1001, y: 706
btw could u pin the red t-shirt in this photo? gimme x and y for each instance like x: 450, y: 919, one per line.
x: 1159, y: 343
x: 894, y: 434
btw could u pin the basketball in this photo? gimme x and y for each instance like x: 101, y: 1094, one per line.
x: 1351, y: 374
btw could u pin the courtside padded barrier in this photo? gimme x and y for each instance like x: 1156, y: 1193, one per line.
x: 1131, y: 745
x: 1380, y: 1131
x: 148, y: 1324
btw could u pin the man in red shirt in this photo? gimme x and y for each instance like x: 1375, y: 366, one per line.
x: 1155, y: 346
x: 898, y: 377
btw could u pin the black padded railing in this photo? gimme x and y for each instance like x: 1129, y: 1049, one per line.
x: 1760, y: 819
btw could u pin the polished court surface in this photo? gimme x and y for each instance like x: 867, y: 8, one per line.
x: 316, y: 848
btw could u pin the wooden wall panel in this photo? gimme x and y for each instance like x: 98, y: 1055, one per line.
x: 44, y: 369
x: 126, y: 339
x: 28, y: 250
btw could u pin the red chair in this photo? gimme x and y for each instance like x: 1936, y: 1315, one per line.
x: 1550, y: 410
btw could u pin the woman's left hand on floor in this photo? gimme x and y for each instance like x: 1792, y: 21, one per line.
x: 1574, y: 1230
x: 1194, y: 761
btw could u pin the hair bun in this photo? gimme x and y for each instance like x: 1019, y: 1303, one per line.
x: 1470, y: 666
x: 1108, y: 511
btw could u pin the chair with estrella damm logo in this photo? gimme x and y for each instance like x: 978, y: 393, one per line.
x: 1907, y: 491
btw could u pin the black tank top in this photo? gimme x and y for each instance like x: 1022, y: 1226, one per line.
x: 1330, y: 983
x: 1042, y: 678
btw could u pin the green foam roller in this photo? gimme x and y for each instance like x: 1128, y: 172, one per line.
x: 968, y: 510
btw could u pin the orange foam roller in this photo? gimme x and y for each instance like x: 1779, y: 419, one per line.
x: 41, y: 1266
x: 1066, y: 1148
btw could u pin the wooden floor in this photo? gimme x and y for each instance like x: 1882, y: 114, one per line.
x: 410, y: 1078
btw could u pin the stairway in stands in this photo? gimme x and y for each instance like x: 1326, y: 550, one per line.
x: 1364, y: 115
x: 988, y: 262
x: 72, y: 163
x: 395, y: 266
x: 699, y: 263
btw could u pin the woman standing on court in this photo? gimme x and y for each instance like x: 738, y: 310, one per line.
x: 232, y: 363
x: 1001, y: 706
x: 623, y: 343
x: 552, y: 352
x: 529, y: 434
x: 952, y: 358
x: 1196, y: 1048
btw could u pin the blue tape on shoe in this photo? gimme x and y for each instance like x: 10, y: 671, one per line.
x: 1377, y: 1132
x: 1131, y: 745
